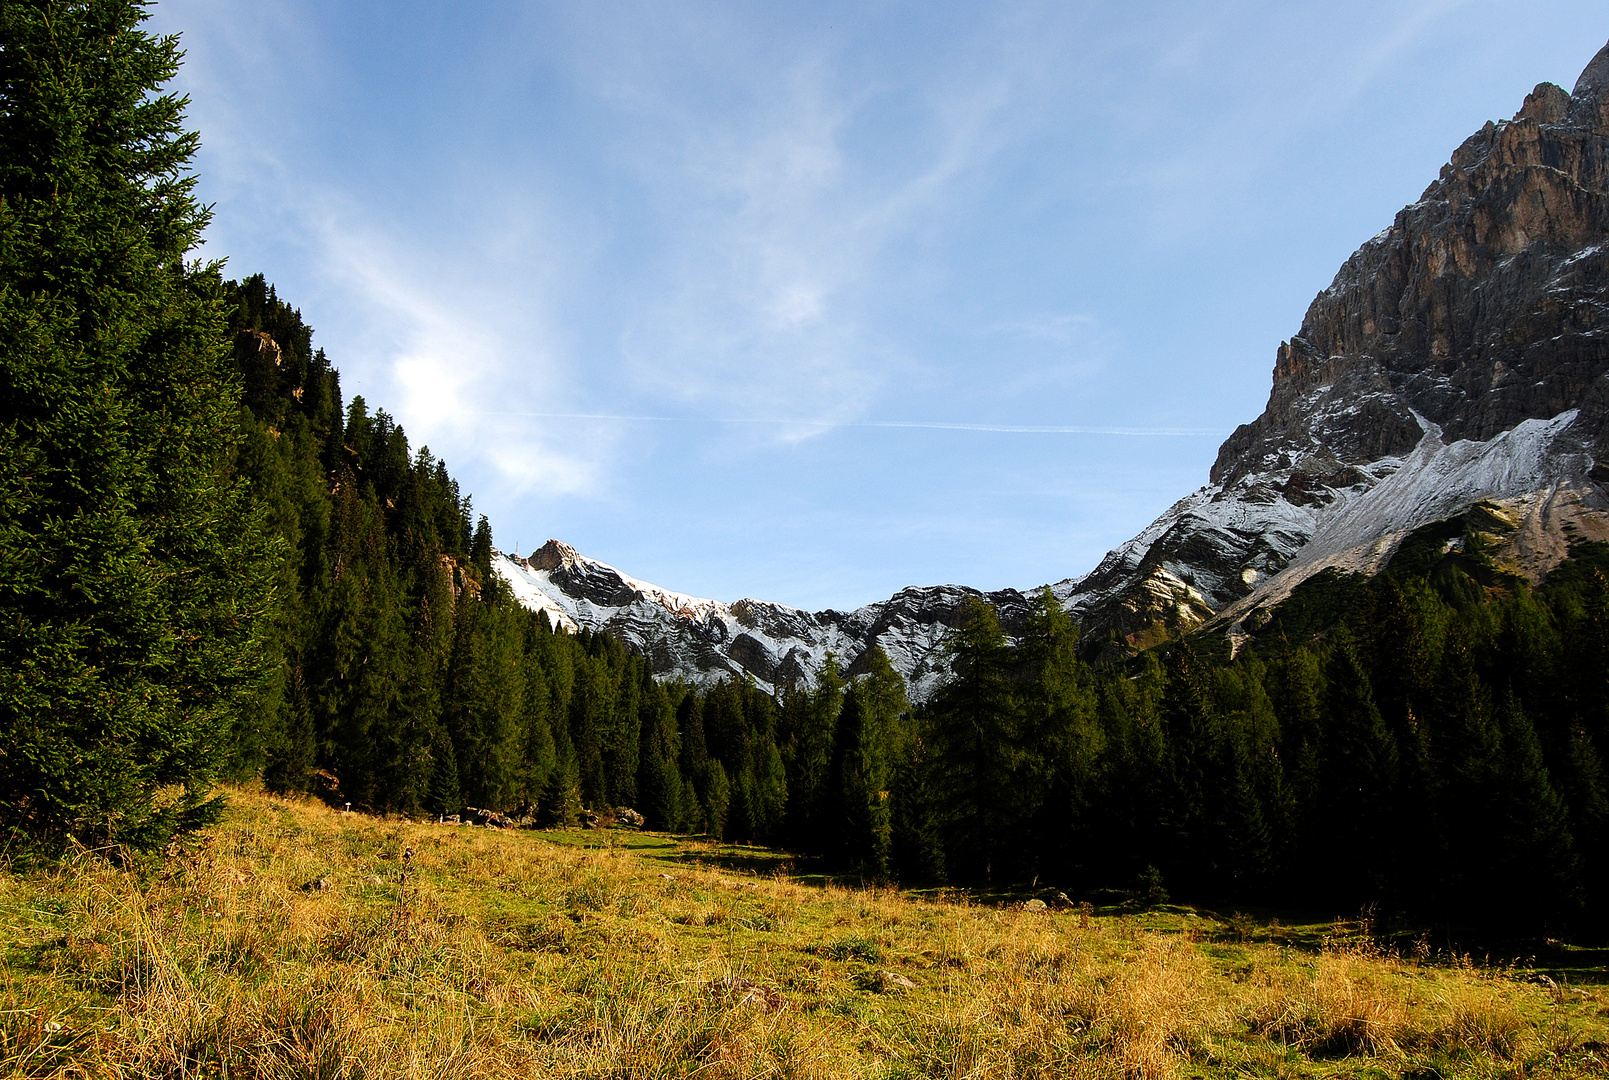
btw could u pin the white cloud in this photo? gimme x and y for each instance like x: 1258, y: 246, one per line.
x: 432, y: 331
x: 1411, y: 26
x: 453, y: 344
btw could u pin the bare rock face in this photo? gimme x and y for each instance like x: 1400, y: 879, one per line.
x: 1481, y: 306
x: 553, y: 555
x: 1460, y: 355
x: 1459, y: 360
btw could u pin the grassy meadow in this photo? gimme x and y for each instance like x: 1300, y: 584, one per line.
x: 295, y: 941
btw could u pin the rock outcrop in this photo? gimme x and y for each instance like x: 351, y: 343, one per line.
x: 1459, y: 359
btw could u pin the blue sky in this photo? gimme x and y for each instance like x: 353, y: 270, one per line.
x: 779, y: 300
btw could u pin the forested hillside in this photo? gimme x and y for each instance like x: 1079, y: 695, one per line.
x: 1430, y: 740
x: 409, y: 679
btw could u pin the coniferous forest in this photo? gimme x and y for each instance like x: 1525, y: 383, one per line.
x: 216, y: 568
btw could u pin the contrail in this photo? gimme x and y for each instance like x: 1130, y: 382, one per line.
x: 927, y: 425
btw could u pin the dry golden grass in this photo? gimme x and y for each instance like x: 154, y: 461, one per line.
x: 298, y: 942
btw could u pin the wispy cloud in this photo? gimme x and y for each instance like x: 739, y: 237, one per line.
x: 782, y: 205
x: 446, y: 342
x: 831, y: 425
x: 428, y: 330
x: 1413, y: 22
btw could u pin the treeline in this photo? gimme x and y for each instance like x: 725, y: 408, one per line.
x: 1431, y: 740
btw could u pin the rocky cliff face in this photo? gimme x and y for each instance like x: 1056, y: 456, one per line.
x: 1460, y: 357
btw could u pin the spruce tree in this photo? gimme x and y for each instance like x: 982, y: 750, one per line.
x: 1062, y: 740
x: 659, y: 783
x: 974, y: 727
x: 134, y: 578
x: 717, y: 799
x: 1123, y: 829
x: 1195, y: 802
x: 560, y: 803
x: 810, y: 719
x: 859, y: 787
x: 444, y: 795
x: 1534, y: 873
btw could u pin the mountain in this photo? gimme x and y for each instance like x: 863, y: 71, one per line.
x: 1458, y: 358
x: 702, y: 640
x: 1458, y: 365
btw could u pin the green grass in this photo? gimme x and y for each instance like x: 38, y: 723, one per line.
x: 295, y: 941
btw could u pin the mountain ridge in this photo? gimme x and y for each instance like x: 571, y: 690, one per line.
x: 1460, y: 357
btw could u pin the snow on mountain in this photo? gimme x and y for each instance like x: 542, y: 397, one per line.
x: 529, y: 591
x: 702, y: 640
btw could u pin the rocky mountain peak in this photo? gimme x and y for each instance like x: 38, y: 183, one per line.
x: 555, y: 555
x: 1549, y: 103
x: 1587, y: 100
x: 1460, y: 355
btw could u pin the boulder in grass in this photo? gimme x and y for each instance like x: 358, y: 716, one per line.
x: 489, y: 819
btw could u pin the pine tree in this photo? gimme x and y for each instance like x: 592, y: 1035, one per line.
x: 859, y: 787
x: 659, y: 784
x: 540, y: 753
x: 1296, y: 688
x: 560, y: 803
x: 770, y: 798
x: 1061, y: 738
x: 135, y: 580
x: 1534, y: 872
x: 1123, y: 832
x: 873, y: 706
x: 810, y: 718
x: 1193, y: 731
x: 916, y: 845
x: 444, y: 795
